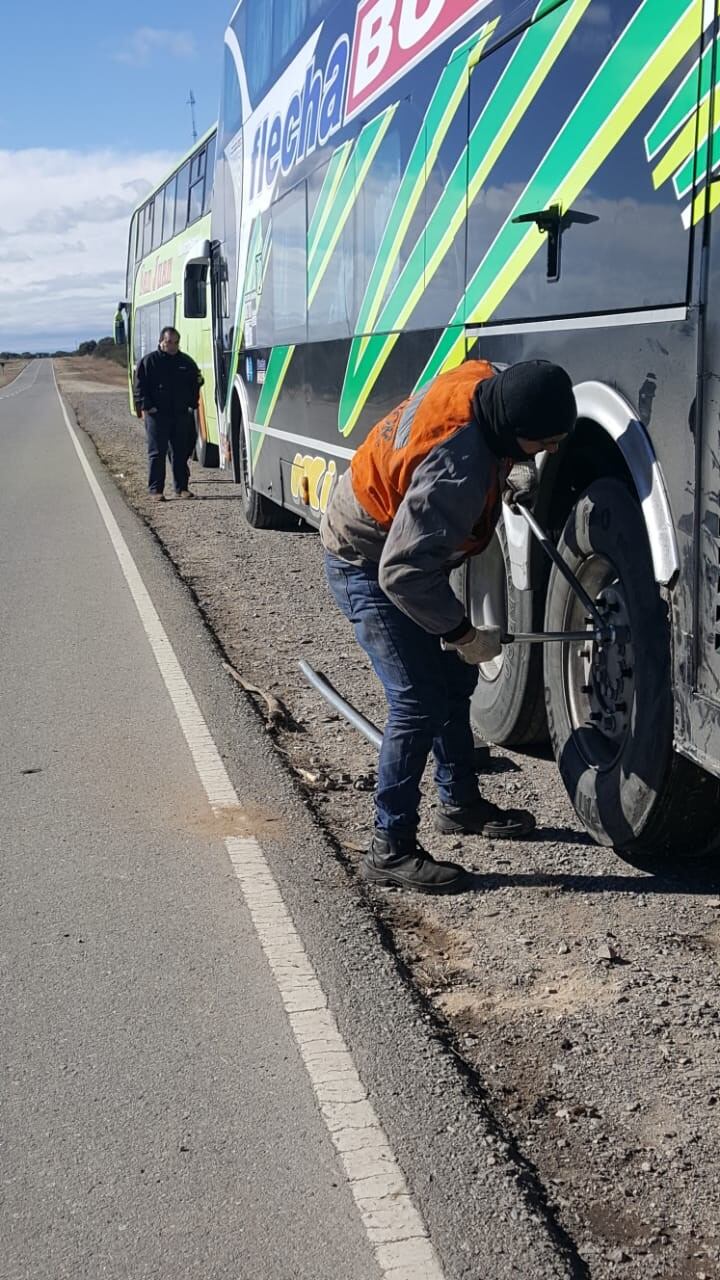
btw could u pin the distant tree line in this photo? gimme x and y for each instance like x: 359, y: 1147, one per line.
x: 103, y: 349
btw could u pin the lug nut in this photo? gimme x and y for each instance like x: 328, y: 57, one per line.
x: 595, y: 716
x: 621, y: 706
x: 586, y: 688
x: 626, y: 672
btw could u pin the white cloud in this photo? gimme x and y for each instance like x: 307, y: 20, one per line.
x: 145, y: 42
x: 65, y: 219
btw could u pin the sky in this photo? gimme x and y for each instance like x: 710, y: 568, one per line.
x: 93, y: 111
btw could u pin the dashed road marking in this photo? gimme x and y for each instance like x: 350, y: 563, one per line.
x: 394, y: 1227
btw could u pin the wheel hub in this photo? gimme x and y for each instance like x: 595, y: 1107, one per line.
x: 601, y: 674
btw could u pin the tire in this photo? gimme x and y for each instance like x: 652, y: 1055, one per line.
x: 207, y: 454
x: 508, y: 705
x: 613, y: 733
x: 259, y: 511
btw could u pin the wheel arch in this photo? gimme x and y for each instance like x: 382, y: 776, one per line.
x: 609, y: 441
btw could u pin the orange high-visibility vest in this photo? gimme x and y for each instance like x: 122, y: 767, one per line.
x: 383, y: 466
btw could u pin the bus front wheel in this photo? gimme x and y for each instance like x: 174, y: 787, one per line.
x: 610, y: 707
x: 259, y: 511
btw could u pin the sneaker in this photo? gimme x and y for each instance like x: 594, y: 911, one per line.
x: 157, y: 497
x: 184, y: 493
x: 484, y: 819
x: 404, y: 864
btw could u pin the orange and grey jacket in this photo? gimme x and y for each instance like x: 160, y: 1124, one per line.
x: 422, y: 493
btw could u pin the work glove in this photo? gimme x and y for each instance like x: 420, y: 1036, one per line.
x: 521, y: 485
x: 483, y: 647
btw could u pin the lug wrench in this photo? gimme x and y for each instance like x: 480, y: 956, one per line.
x: 602, y: 633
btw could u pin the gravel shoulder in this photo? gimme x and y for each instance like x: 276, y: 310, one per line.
x: 582, y: 994
x: 10, y: 371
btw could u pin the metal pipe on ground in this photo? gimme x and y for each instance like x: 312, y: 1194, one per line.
x: 357, y: 719
x: 336, y: 700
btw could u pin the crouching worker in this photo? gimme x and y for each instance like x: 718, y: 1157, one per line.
x: 424, y: 492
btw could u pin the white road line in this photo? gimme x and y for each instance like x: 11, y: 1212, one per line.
x: 393, y: 1225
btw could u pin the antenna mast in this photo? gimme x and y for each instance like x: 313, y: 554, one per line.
x: 191, y: 104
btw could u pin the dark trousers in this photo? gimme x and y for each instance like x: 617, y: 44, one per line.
x: 176, y: 434
x: 428, y: 691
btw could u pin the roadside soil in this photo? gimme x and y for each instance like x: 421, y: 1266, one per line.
x: 11, y: 370
x: 582, y: 994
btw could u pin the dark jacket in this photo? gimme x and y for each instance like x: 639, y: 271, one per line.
x: 169, y: 384
x: 423, y: 492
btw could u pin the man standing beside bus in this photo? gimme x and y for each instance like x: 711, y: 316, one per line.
x: 166, y: 391
x: 424, y: 492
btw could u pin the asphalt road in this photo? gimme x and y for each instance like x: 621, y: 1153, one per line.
x: 164, y: 1112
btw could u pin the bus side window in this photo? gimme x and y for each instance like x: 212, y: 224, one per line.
x: 169, y: 210
x: 283, y: 302
x: 209, y: 175
x: 197, y: 186
x: 257, y: 15
x: 148, y: 228
x: 181, y: 198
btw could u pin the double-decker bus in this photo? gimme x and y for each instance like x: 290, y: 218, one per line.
x: 167, y: 278
x: 405, y: 184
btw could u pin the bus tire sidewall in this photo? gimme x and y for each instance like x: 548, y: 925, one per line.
x: 509, y: 709
x: 206, y: 454
x: 260, y: 512
x: 616, y: 802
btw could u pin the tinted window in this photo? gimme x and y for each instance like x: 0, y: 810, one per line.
x: 256, y: 48
x: 148, y: 323
x: 209, y: 174
x: 169, y: 210
x: 181, y: 198
x: 630, y: 250
x: 231, y: 109
x: 197, y: 186
x: 148, y: 228
x: 283, y: 304
x: 157, y: 220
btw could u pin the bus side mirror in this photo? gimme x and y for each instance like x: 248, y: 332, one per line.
x: 195, y: 284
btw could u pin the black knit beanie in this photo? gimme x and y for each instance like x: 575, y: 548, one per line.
x: 533, y: 400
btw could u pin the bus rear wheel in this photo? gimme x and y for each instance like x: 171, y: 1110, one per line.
x: 508, y: 704
x: 207, y: 454
x: 610, y: 707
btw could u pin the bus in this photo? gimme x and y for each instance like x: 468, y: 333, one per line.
x: 402, y: 185
x: 166, y: 282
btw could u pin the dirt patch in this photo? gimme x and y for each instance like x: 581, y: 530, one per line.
x: 10, y: 371
x: 218, y: 824
x: 603, y: 1071
x: 86, y: 374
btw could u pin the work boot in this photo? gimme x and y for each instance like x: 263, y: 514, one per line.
x: 404, y: 864
x: 184, y: 493
x: 157, y: 497
x: 481, y: 818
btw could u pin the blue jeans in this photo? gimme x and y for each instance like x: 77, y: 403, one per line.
x: 176, y: 434
x: 428, y: 691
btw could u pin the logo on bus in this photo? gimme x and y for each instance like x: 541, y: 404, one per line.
x: 312, y: 116
x: 153, y: 278
x: 391, y: 36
